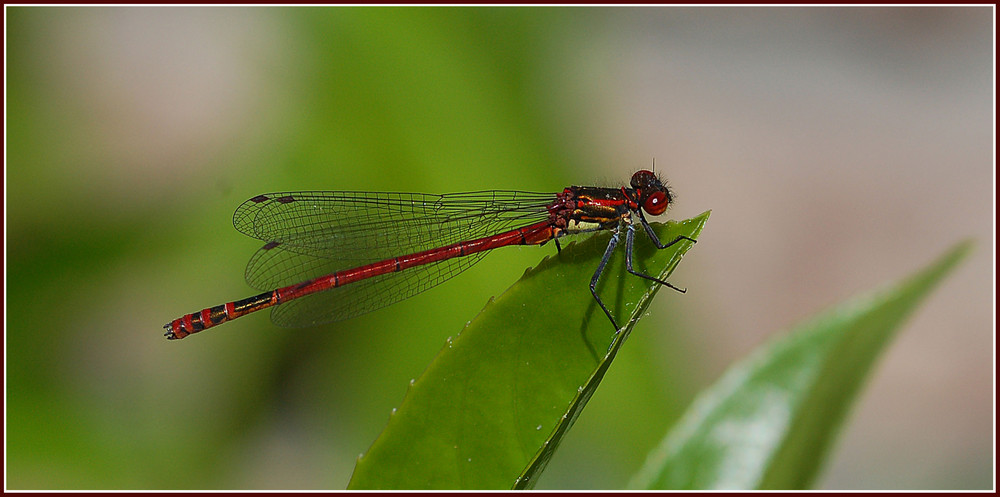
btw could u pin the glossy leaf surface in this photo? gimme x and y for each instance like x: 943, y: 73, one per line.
x: 769, y: 421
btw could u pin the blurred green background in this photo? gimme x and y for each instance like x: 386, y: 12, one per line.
x: 838, y: 148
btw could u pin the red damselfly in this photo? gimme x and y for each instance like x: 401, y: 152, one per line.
x: 331, y: 256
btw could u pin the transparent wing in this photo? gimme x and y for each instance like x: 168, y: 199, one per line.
x: 310, y: 234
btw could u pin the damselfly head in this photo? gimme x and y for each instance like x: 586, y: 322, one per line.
x: 654, y: 196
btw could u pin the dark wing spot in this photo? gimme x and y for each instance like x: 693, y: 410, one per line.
x: 259, y: 198
x: 286, y: 199
x: 270, y: 245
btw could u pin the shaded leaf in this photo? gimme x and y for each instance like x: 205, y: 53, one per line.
x: 499, y: 396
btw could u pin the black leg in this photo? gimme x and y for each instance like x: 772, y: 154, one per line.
x: 597, y: 275
x: 558, y: 248
x: 630, y: 238
x: 656, y: 239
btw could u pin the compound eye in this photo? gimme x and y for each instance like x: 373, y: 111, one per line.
x: 642, y: 179
x: 656, y: 203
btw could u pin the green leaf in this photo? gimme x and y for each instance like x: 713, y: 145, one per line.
x: 492, y: 407
x: 768, y: 422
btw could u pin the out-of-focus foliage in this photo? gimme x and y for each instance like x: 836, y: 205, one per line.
x: 770, y: 420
